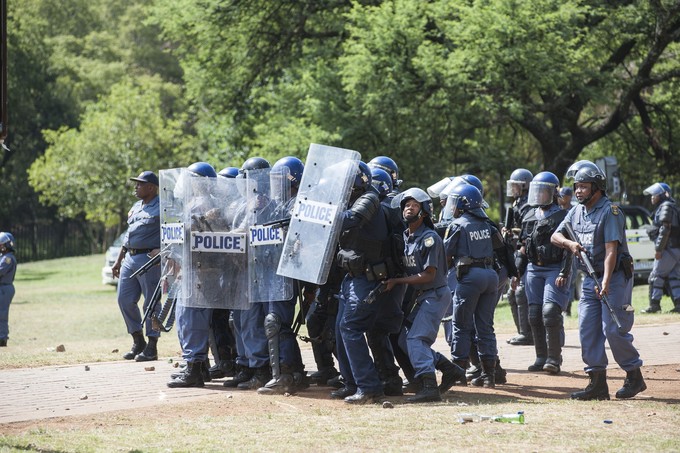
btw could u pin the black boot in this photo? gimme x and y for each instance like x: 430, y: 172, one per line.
x: 488, y: 376
x: 3, y: 342
x: 538, y: 364
x: 633, y: 385
x: 654, y: 306
x: 221, y: 369
x: 138, y: 345
x: 243, y: 374
x: 150, y: 352
x: 279, y: 385
x: 262, y: 375
x: 429, y: 393
x: 552, y: 365
x: 475, y: 368
x: 322, y: 376
x: 192, y: 377
x: 596, y: 389
x: 414, y: 385
x: 451, y: 373
x: 675, y: 309
x: 500, y: 373
x: 343, y: 392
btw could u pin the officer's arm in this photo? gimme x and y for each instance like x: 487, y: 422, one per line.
x: 610, y: 254
x: 420, y: 278
x: 115, y: 269
x: 362, y: 211
x: 666, y: 218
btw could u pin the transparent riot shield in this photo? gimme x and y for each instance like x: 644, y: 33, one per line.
x: 173, y: 234
x: 267, y: 201
x: 309, y: 249
x: 217, y: 261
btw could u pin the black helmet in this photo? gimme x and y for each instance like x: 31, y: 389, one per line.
x: 591, y: 173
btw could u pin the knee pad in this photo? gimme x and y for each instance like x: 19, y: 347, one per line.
x: 272, y: 325
x: 552, y: 315
x: 535, y: 315
x: 521, y: 295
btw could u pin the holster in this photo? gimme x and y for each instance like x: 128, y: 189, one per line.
x: 626, y: 265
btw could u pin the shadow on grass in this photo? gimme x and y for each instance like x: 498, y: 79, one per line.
x: 29, y: 276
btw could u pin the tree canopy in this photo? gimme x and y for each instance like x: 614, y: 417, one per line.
x: 482, y: 86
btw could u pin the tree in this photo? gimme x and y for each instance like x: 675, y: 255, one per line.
x: 84, y: 170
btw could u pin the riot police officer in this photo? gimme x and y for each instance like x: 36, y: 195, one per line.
x: 600, y: 229
x: 470, y: 246
x: 252, y: 347
x: 193, y: 322
x: 548, y: 272
x: 141, y: 242
x: 288, y: 375
x: 666, y: 237
x: 517, y: 189
x: 8, y: 268
x: 362, y: 256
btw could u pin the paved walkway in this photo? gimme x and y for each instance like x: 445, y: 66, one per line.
x: 56, y: 391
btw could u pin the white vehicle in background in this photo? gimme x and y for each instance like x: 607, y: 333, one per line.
x: 641, y: 248
x: 110, y: 258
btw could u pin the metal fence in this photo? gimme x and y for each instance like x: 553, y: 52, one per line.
x: 41, y: 241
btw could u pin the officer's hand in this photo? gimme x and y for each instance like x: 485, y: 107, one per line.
x: 657, y: 256
x: 153, y: 253
x: 605, y: 289
x: 115, y: 269
x: 514, y: 283
x: 389, y: 284
x: 560, y: 281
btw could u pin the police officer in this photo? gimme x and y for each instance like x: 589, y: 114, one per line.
x: 8, y: 268
x: 142, y: 241
x: 288, y: 375
x: 600, y: 229
x: 470, y: 246
x: 548, y: 272
x: 517, y: 189
x: 425, y: 268
x: 193, y: 323
x: 362, y: 256
x: 222, y: 341
x: 666, y: 237
x: 254, y: 369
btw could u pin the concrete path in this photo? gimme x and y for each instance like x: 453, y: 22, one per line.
x: 56, y: 391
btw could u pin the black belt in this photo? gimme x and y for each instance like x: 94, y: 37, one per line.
x: 134, y: 252
x: 482, y: 265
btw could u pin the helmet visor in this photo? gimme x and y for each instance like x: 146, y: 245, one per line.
x: 540, y: 193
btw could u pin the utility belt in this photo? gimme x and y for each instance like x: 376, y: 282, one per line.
x: 464, y: 264
x: 134, y: 252
x: 545, y: 262
x: 356, y: 265
x: 625, y: 265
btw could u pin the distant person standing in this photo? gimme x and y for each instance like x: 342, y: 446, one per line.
x: 142, y: 242
x: 666, y: 238
x: 565, y: 196
x: 8, y: 268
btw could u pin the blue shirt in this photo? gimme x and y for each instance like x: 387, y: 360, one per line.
x: 470, y: 236
x: 144, y: 226
x: 604, y: 223
x: 8, y: 267
x: 424, y: 248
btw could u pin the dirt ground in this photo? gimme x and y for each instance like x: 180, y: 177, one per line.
x: 523, y: 387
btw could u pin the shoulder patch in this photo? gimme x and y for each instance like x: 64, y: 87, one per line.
x: 615, y: 209
x: 428, y: 242
x: 8, y: 260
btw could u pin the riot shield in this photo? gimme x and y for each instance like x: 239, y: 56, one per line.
x: 268, y: 196
x: 216, y: 257
x: 173, y: 232
x: 309, y: 249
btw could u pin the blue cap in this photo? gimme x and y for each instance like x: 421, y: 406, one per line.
x: 566, y: 191
x: 146, y: 176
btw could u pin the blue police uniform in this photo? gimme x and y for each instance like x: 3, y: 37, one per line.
x: 424, y: 248
x: 471, y: 247
x: 143, y: 235
x: 8, y: 268
x: 546, y: 300
x: 667, y: 241
x: 355, y: 316
x: 604, y: 223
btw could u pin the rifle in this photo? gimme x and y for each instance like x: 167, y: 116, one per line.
x: 583, y: 256
x: 278, y: 223
x: 146, y: 266
x: 375, y: 292
x: 155, y: 298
